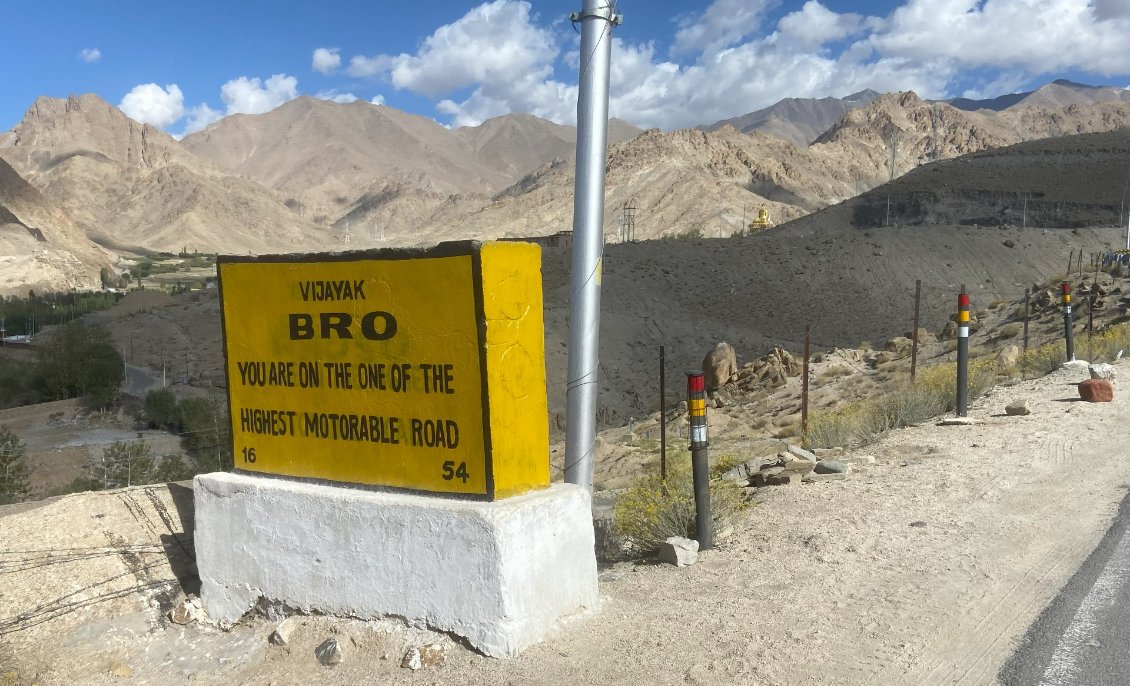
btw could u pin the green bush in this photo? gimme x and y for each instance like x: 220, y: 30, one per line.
x: 654, y: 509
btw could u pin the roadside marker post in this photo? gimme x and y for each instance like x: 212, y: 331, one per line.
x: 1068, y: 321
x: 962, y: 353
x: 696, y: 406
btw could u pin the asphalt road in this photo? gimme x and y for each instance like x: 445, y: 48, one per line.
x: 1083, y: 637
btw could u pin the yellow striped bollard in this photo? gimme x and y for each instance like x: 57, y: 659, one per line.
x: 700, y: 464
x: 1068, y: 321
x: 962, y: 353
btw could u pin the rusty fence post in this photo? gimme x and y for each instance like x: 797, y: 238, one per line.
x: 914, y: 331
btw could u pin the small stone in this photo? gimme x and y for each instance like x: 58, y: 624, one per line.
x: 822, y: 453
x: 329, y: 652
x: 800, y: 466
x: 281, y: 635
x: 830, y: 467
x: 957, y: 421
x: 121, y: 669
x: 815, y: 478
x: 919, y: 524
x: 430, y: 655
x: 187, y: 611
x: 1096, y: 391
x: 1076, y: 364
x: 1102, y: 371
x: 679, y: 551
x: 1017, y: 408
x: 859, y: 459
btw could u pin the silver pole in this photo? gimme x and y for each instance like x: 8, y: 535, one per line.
x: 596, y: 19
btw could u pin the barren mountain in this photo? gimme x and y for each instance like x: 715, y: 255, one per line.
x: 799, y: 120
x: 132, y: 186
x: 370, y: 168
x: 40, y: 247
x: 1057, y: 94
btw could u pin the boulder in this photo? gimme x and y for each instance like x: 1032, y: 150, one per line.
x: 719, y: 365
x: 679, y: 551
x: 1096, y: 391
x: 1102, y: 370
x: 830, y: 467
x: 799, y: 452
x: 1017, y: 408
x: 1008, y: 357
x: 898, y: 344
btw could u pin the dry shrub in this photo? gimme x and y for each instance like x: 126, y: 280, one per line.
x: 1009, y: 331
x: 1106, y: 344
x: 934, y: 394
x: 654, y: 510
x: 1042, y: 360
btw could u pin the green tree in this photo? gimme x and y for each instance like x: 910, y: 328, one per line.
x: 125, y: 464
x: 160, y: 409
x: 14, y: 484
x: 172, y: 468
x: 80, y: 360
x: 206, y: 432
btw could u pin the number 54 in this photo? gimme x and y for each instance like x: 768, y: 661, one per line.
x: 450, y: 471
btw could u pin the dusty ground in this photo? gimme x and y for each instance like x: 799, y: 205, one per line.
x: 821, y: 584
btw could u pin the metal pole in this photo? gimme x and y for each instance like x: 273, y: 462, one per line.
x: 804, y: 391
x: 962, y: 353
x: 914, y: 331
x: 596, y: 21
x: 662, y: 413
x: 1068, y: 322
x: 700, y: 461
x: 1027, y: 309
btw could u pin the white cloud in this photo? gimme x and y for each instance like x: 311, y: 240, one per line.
x: 199, y: 118
x: 377, y: 99
x: 334, y: 96
x: 254, y: 96
x: 815, y: 25
x: 90, y: 55
x: 326, y: 60
x: 1045, y: 36
x: 724, y: 23
x: 494, y: 44
x: 150, y: 104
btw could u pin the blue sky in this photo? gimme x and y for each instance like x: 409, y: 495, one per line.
x: 675, y: 64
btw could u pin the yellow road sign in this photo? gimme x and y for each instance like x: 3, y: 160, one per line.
x: 420, y: 370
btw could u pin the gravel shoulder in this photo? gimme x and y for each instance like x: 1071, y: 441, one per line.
x: 824, y: 583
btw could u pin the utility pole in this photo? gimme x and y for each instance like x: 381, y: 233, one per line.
x: 597, y: 20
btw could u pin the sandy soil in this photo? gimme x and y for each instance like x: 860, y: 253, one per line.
x: 822, y: 584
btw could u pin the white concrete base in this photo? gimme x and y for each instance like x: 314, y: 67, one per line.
x: 498, y: 574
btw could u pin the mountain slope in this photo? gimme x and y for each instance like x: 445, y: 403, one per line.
x: 131, y: 185
x: 1057, y: 94
x: 40, y: 248
x: 799, y: 120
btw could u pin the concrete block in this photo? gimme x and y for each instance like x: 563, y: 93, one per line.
x: 499, y: 574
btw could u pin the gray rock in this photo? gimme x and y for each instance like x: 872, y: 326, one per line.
x: 859, y: 459
x: 823, y: 453
x: 1102, y: 370
x: 329, y: 652
x: 1017, y: 408
x: 801, y: 453
x: 830, y: 467
x: 282, y: 633
x: 1008, y: 357
x: 800, y: 466
x: 784, y: 479
x: 815, y: 478
x: 679, y: 551
x: 957, y: 421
